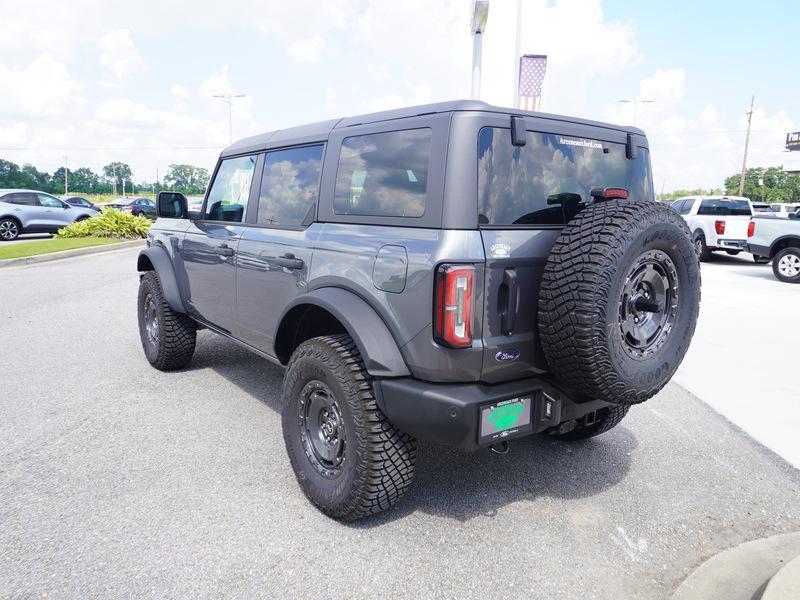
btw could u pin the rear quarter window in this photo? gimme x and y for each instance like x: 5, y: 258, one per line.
x: 383, y: 174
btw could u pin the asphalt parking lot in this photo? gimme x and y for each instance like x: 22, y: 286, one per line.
x: 118, y: 480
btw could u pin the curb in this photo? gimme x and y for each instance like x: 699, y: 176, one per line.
x: 41, y: 258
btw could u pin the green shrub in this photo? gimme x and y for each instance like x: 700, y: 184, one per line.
x: 109, y: 223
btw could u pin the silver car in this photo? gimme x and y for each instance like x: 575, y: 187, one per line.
x: 29, y: 211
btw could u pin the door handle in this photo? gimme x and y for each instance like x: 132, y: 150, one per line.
x: 289, y: 261
x: 509, y: 312
x: 224, y: 250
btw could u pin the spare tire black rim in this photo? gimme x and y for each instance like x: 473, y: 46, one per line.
x: 648, y: 304
x: 321, y: 428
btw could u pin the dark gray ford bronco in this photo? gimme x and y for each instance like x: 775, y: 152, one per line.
x: 457, y: 273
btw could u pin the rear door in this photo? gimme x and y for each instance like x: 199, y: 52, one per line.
x: 525, y: 196
x: 274, y: 256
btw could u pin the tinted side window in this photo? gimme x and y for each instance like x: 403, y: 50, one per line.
x: 686, y: 207
x: 228, y: 196
x: 24, y: 199
x: 290, y: 185
x: 49, y: 201
x: 383, y: 174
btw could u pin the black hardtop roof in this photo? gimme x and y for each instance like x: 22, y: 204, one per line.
x: 318, y: 132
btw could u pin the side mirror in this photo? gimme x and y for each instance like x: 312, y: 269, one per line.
x: 172, y: 205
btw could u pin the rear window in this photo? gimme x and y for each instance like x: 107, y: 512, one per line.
x: 547, y: 181
x: 383, y: 174
x: 724, y: 207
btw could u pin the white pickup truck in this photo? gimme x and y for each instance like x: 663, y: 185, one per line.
x: 716, y: 222
x: 777, y: 240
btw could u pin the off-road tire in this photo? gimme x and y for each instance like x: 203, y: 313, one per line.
x: 700, y: 247
x: 378, y: 460
x: 581, y: 300
x: 608, y: 418
x: 777, y: 265
x: 10, y: 229
x: 174, y: 345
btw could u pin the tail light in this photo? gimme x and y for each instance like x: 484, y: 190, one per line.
x: 610, y: 193
x: 452, y: 311
x: 751, y: 228
x: 720, y: 227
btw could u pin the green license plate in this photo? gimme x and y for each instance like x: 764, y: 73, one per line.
x: 504, y: 419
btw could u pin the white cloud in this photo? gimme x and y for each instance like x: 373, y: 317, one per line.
x: 179, y: 92
x: 43, y: 88
x: 119, y: 55
x: 307, y: 50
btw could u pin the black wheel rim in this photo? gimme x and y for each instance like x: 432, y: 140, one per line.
x: 151, y: 320
x: 648, y: 304
x: 8, y: 230
x: 322, y: 429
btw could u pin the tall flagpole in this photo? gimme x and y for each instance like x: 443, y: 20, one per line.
x: 515, y: 97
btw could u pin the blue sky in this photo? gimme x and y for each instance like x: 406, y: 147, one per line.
x: 113, y: 80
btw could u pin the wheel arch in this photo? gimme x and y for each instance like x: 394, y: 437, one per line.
x: 156, y: 259
x: 15, y: 219
x: 329, y: 310
x: 785, y: 241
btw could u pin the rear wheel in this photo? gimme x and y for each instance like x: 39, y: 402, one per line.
x: 348, y: 459
x: 619, y: 300
x: 605, y: 419
x: 786, y: 265
x: 9, y: 230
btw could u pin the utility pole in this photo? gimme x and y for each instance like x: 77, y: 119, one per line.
x: 228, y: 99
x: 480, y: 14
x: 114, y: 175
x: 515, y: 97
x: 66, y: 177
x: 746, y: 144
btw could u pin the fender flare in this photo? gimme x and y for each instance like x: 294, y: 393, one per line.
x: 375, y: 342
x: 789, y: 236
x: 162, y: 265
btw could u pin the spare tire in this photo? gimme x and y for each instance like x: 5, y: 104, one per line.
x: 619, y: 300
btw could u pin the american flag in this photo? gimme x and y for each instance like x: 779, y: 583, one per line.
x: 531, y: 76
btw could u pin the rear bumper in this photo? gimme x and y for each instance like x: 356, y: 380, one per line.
x: 758, y: 250
x: 727, y: 244
x: 449, y: 414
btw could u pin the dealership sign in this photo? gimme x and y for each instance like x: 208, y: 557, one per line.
x: 793, y: 141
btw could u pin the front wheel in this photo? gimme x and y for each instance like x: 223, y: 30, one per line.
x: 348, y: 459
x: 9, y: 230
x: 786, y: 265
x: 168, y: 337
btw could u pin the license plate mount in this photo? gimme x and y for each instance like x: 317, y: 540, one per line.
x: 505, y: 419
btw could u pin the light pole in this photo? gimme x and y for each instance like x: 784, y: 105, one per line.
x: 228, y: 99
x: 66, y: 176
x: 636, y: 103
x: 480, y: 14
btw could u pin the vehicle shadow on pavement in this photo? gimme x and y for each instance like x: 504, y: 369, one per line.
x: 450, y: 483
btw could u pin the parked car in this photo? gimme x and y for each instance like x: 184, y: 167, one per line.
x: 31, y: 211
x: 141, y: 206
x: 80, y: 202
x: 761, y: 207
x: 137, y: 206
x: 783, y: 209
x: 716, y: 222
x: 457, y: 273
x: 777, y: 240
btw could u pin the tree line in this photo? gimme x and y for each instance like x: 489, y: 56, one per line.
x: 771, y: 184
x: 114, y: 178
